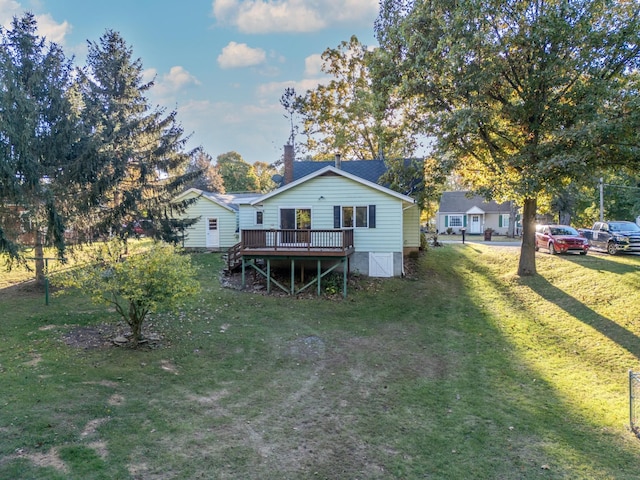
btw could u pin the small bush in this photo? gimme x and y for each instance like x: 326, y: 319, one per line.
x: 159, y: 278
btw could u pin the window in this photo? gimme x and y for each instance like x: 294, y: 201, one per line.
x: 455, y: 221
x: 295, y: 218
x: 504, y: 220
x: 355, y: 216
x: 259, y: 218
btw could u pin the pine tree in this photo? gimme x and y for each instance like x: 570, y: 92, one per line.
x: 37, y: 136
x: 135, y: 159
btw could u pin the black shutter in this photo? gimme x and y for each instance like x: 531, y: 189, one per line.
x: 336, y: 216
x: 372, y: 216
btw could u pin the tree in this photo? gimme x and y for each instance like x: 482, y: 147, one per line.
x: 290, y: 102
x: 37, y: 137
x: 238, y: 175
x: 210, y: 180
x: 264, y: 172
x: 521, y: 95
x: 134, y: 163
x: 346, y: 116
x: 159, y: 278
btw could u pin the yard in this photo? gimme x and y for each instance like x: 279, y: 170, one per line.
x: 462, y: 370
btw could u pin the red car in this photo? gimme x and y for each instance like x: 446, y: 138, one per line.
x: 560, y: 239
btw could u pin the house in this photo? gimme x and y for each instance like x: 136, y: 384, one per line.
x: 328, y: 219
x: 217, y: 226
x: 463, y: 210
x: 332, y: 204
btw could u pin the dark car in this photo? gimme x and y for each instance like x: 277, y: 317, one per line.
x: 560, y: 239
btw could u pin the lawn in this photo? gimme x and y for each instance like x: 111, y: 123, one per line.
x: 463, y: 370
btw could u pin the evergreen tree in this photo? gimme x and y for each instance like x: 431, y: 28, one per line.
x: 134, y: 161
x: 37, y: 138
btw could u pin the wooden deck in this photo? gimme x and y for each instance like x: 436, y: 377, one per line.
x: 334, y: 246
x: 297, y: 243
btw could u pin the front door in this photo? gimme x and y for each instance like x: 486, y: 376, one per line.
x: 213, y: 234
x: 475, y: 225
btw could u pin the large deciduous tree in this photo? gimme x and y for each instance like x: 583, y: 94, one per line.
x: 522, y: 95
x: 37, y: 135
x: 210, y: 179
x: 346, y: 116
x: 238, y: 175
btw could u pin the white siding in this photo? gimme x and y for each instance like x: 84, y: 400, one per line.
x: 411, y: 227
x: 205, y: 208
x: 320, y: 194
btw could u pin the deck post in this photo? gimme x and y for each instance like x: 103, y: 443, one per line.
x: 344, y: 278
x: 268, y: 275
x: 243, y: 280
x: 293, y: 276
x: 319, y: 275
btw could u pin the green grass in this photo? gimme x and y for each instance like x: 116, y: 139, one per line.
x: 462, y: 371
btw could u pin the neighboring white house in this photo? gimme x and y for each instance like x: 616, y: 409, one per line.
x: 386, y: 224
x: 217, y: 225
x: 461, y: 210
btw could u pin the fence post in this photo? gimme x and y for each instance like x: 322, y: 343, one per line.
x: 631, y: 401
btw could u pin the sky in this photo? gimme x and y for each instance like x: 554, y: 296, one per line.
x: 222, y: 64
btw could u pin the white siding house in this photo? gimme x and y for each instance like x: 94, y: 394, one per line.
x: 385, y: 223
x: 460, y: 210
x: 217, y: 225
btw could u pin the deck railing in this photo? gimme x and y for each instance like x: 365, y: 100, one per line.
x: 310, y: 240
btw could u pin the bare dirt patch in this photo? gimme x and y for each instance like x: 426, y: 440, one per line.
x: 108, y: 335
x: 42, y: 459
x: 92, y: 426
x: 36, y: 359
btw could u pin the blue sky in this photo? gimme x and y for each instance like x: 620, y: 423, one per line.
x: 223, y: 64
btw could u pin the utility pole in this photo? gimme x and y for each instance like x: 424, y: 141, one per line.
x: 601, y: 199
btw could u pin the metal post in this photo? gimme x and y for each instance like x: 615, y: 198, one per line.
x: 601, y: 199
x: 631, y: 401
x: 344, y: 278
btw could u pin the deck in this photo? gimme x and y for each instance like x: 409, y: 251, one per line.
x: 297, y: 243
x: 303, y: 245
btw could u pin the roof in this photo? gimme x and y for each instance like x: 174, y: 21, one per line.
x: 230, y: 201
x: 462, y: 202
x: 329, y: 170
x: 370, y: 170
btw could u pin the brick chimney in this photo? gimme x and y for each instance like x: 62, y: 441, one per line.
x: 338, y: 161
x: 288, y: 164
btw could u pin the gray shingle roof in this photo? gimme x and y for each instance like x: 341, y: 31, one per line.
x: 231, y: 200
x: 461, y: 202
x: 370, y: 170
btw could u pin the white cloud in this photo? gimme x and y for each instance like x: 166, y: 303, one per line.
x: 293, y: 16
x: 178, y: 77
x: 237, y: 55
x: 8, y: 10
x: 313, y: 65
x: 52, y: 31
x: 169, y: 83
x: 47, y: 26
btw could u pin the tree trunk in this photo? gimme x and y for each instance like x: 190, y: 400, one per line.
x: 527, y: 265
x: 135, y: 322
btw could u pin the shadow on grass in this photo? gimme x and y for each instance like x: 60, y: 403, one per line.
x: 607, y: 327
x: 604, y: 264
x: 540, y: 415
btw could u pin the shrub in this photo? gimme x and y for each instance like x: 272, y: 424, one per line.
x: 158, y: 278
